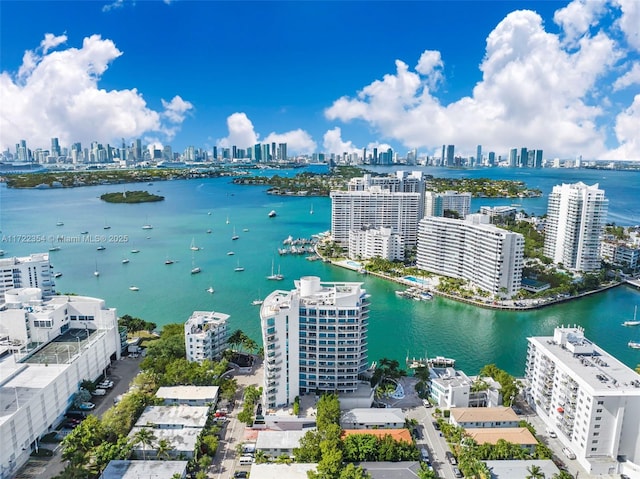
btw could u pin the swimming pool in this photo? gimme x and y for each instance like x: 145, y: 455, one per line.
x: 413, y: 279
x: 353, y: 264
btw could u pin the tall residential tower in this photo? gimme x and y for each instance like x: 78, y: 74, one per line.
x: 314, y: 339
x: 576, y: 215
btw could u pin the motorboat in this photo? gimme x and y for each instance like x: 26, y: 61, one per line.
x: 230, y: 253
x: 57, y: 275
x: 125, y: 260
x: 195, y: 270
x: 168, y: 261
x: 134, y: 288
x: 256, y: 302
x: 101, y: 248
x: 272, y: 214
x: 634, y: 344
x: 210, y: 290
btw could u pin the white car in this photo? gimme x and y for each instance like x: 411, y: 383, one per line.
x: 105, y: 384
x: 99, y: 392
x: 552, y: 433
x: 569, y: 453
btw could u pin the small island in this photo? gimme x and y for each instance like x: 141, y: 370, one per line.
x: 131, y: 197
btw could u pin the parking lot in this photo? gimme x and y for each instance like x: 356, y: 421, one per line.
x: 121, y: 373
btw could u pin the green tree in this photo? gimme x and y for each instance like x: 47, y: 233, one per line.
x: 534, y: 472
x: 350, y: 471
x: 145, y: 437
x: 328, y: 411
x: 163, y: 449
x: 425, y: 472
x: 562, y: 475
x: 77, y: 445
x: 330, y: 463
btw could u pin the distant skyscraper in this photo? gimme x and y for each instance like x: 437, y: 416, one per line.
x: 274, y: 153
x: 443, y: 160
x: 55, y: 147
x: 282, y: 151
x: 538, y: 159
x: 375, y: 157
x: 513, y: 158
x: 364, y: 155
x: 576, y: 215
x: 257, y: 152
x: 492, y: 158
x: 479, y: 155
x: 524, y: 158
x: 450, y: 155
x: 215, y: 153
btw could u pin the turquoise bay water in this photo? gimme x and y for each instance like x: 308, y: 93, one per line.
x: 169, y: 293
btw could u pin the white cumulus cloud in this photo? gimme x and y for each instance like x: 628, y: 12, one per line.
x: 632, y: 77
x: 56, y: 93
x: 628, y: 133
x: 243, y: 135
x: 535, y: 91
x: 333, y: 143
x: 298, y: 141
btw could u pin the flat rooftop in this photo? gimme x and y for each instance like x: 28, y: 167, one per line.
x: 279, y: 439
x: 62, y: 349
x: 491, y: 435
x: 483, y: 414
x: 148, y: 469
x: 281, y: 471
x: 391, y: 470
x: 188, y: 392
x: 181, y: 415
x: 509, y: 469
x: 590, y: 364
x: 181, y: 440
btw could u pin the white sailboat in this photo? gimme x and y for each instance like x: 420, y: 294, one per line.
x: 235, y: 236
x: 227, y: 219
x: 193, y: 246
x: 194, y: 269
x: 96, y: 273
x: 311, y: 210
x: 272, y: 276
x: 238, y: 268
x: 635, y: 321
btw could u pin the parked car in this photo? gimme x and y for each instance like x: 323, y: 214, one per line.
x: 240, y: 474
x: 87, y: 406
x: 457, y: 473
x: 451, y: 458
x: 436, y: 425
x: 552, y: 433
x: 569, y: 453
x: 426, y: 403
x: 99, y: 392
x: 105, y: 384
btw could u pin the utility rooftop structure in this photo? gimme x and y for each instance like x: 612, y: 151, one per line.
x: 587, y: 396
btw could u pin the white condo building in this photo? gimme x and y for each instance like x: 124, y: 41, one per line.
x: 314, y: 338
x: 26, y: 272
x: 47, y: 348
x: 366, y: 243
x: 489, y: 257
x: 375, y: 208
x: 588, y: 397
x: 576, y: 216
x: 435, y: 204
x: 205, y: 335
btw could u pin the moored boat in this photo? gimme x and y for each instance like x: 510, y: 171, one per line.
x: 272, y: 214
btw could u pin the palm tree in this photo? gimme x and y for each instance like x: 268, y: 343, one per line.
x: 164, y: 449
x: 535, y: 472
x: 144, y: 436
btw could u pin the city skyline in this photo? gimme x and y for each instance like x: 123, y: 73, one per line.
x: 208, y: 74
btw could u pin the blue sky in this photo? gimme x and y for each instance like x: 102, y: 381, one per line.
x: 325, y: 76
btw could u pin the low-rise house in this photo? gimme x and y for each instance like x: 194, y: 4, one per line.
x: 276, y: 443
x: 515, y: 435
x: 396, y: 434
x: 150, y: 469
x: 281, y: 471
x: 510, y: 469
x: 182, y: 442
x: 484, y: 417
x: 173, y: 417
x: 453, y: 388
x: 370, y: 418
x: 391, y: 470
x: 188, y: 395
